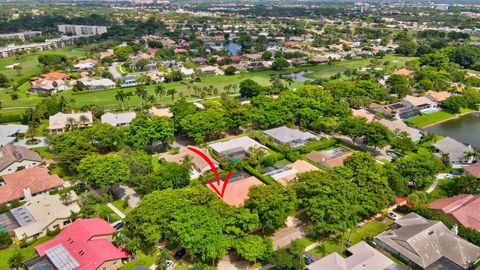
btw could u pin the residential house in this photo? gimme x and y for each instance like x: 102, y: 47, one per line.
x: 297, y: 61
x: 427, y: 244
x: 285, y: 174
x: 127, y: 81
x: 59, y: 122
x: 359, y: 256
x: 399, y: 110
x: 321, y: 59
x: 400, y: 126
x: 330, y: 158
x: 456, y: 151
x: 22, y: 185
x: 473, y: 170
x: 118, y: 119
x: 9, y: 132
x: 50, y: 83
x: 106, y: 53
x: 238, y: 189
x: 235, y: 149
x: 464, y: 208
x: 96, y: 84
x: 199, y: 165
x: 252, y: 56
x: 199, y: 60
x: 211, y: 70
x: 84, y: 245
x: 420, y: 103
x: 364, y: 113
x: 290, y: 136
x: 437, y: 97
x: 43, y: 213
x: 14, y: 158
x: 85, y: 65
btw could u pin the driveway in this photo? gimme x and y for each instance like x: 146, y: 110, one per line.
x: 113, y: 70
x: 295, y: 229
x: 231, y: 261
x: 439, y: 176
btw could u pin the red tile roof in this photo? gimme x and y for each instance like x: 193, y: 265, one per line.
x: 237, y: 192
x: 37, y: 179
x: 404, y: 72
x: 473, y: 169
x: 78, y: 237
x: 465, y: 208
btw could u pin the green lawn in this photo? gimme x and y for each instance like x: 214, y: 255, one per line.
x: 142, y: 259
x: 429, y: 119
x: 439, y: 192
x: 27, y: 252
x: 119, y: 205
x: 106, y: 98
x: 368, y: 230
x: 44, y: 152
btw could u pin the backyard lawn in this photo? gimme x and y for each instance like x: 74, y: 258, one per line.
x: 119, y: 205
x: 106, y: 98
x: 428, y: 119
x: 27, y: 252
x: 368, y: 230
x: 142, y: 259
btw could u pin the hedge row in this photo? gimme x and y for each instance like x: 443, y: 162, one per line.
x: 318, y: 145
x: 266, y: 179
x: 8, y: 118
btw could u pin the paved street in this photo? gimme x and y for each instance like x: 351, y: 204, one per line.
x: 294, y: 230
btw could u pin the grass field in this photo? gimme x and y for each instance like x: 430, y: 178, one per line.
x: 106, y: 98
x: 119, y: 205
x: 29, y: 63
x: 370, y: 229
x: 142, y: 259
x: 27, y: 252
x: 429, y: 119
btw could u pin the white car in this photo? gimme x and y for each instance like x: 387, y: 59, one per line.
x: 392, y: 216
x: 170, y: 265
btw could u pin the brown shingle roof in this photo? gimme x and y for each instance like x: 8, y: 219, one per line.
x: 10, y: 154
x: 37, y: 179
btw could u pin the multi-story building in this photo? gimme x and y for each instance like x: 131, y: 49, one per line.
x: 21, y: 35
x: 82, y: 30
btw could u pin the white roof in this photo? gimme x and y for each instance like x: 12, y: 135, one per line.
x: 399, y: 125
x: 286, y: 135
x: 418, y: 101
x: 364, y: 257
x: 45, y: 209
x: 115, y: 119
x: 98, y: 82
x: 59, y: 120
x: 241, y: 142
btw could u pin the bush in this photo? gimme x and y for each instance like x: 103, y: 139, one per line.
x: 268, y: 161
x: 293, y: 156
x: 318, y: 145
x: 5, y: 240
x: 54, y: 232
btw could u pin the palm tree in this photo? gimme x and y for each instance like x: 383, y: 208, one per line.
x: 63, y: 103
x: 16, y: 261
x: 161, y: 92
x: 121, y: 96
x: 172, y: 93
x: 128, y: 96
x: 18, y: 69
x: 187, y: 161
x: 141, y: 92
x: 162, y: 260
x: 83, y: 120
x: 71, y: 122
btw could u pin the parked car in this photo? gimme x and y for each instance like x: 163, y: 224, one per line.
x: 119, y: 225
x: 392, y: 216
x: 308, y: 259
x: 180, y: 253
x: 169, y: 264
x: 456, y: 172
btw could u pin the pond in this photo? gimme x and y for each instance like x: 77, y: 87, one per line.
x: 233, y: 48
x: 298, y: 76
x: 464, y: 129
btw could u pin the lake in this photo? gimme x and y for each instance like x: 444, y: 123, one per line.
x: 298, y: 76
x: 465, y: 129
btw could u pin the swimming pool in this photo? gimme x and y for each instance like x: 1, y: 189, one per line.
x: 43, y: 267
x: 3, y: 228
x: 430, y: 110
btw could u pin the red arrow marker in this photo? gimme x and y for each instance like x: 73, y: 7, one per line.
x: 212, y: 166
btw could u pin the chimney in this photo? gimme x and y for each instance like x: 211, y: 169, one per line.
x: 27, y: 194
x: 454, y: 229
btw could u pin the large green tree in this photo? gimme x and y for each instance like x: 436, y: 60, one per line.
x: 145, y: 131
x: 103, y: 170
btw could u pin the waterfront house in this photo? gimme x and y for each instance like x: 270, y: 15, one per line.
x: 400, y: 126
x: 456, y: 151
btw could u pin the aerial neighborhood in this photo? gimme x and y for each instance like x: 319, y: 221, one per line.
x: 148, y: 134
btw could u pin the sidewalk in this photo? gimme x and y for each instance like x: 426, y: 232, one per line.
x: 114, y: 209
